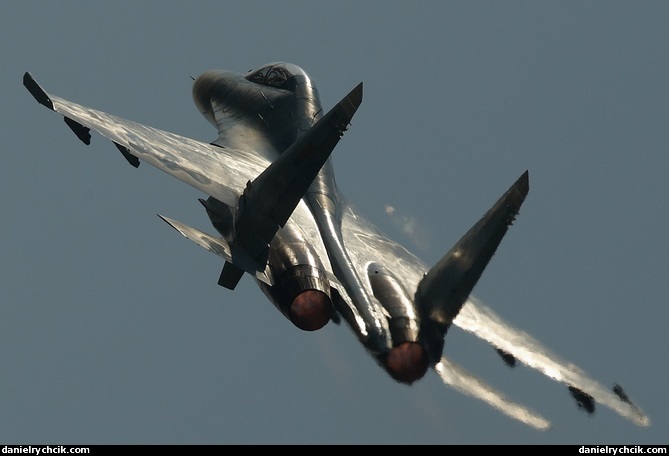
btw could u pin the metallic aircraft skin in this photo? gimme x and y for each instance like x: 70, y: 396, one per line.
x: 273, y: 199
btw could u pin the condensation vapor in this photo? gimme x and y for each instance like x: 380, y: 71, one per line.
x: 465, y: 382
x: 480, y: 320
x: 409, y: 226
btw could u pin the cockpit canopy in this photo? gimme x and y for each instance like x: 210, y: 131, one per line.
x: 279, y: 75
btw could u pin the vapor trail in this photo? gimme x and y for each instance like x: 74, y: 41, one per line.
x: 480, y: 320
x: 409, y: 226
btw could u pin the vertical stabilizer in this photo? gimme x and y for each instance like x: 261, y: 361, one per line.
x: 446, y: 287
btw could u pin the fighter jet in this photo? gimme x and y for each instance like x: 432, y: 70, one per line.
x: 269, y: 190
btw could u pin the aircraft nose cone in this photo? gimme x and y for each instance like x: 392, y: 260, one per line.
x: 310, y: 310
x: 407, y: 362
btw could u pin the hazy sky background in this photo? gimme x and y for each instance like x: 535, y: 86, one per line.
x: 113, y: 329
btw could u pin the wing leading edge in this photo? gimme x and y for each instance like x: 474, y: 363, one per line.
x: 186, y: 159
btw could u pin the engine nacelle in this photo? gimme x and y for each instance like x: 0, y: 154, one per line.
x: 404, y: 321
x: 408, y: 360
x: 301, y: 290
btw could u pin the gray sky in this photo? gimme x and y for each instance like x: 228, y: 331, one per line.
x: 113, y: 329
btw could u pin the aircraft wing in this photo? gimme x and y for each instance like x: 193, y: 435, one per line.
x: 480, y: 320
x: 217, y: 171
x: 186, y: 159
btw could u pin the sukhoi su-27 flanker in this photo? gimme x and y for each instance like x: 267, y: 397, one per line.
x: 271, y: 197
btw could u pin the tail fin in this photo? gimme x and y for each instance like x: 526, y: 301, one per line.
x: 269, y: 200
x: 444, y: 289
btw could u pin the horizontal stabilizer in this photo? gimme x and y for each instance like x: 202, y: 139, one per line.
x: 445, y: 288
x: 218, y: 246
